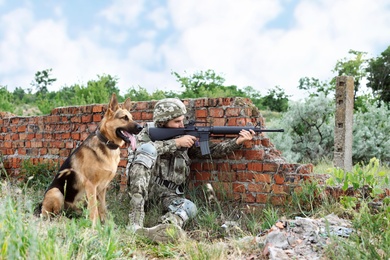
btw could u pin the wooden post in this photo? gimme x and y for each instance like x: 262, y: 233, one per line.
x: 343, y: 123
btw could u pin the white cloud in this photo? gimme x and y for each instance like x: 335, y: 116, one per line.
x: 233, y: 38
x: 123, y: 12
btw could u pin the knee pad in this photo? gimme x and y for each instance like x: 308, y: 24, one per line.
x: 146, y: 155
x: 184, y: 208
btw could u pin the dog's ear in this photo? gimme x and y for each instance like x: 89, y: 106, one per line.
x: 127, y: 104
x: 113, y: 105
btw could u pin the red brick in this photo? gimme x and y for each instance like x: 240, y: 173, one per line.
x: 270, y: 167
x: 22, y: 128
x: 261, y: 198
x: 279, y: 178
x: 223, y: 166
x: 69, y: 145
x: 141, y: 105
x: 232, y: 111
x: 202, y: 176
x: 247, y: 111
x: 53, y: 151
x: 265, y: 142
x: 218, y: 121
x: 64, y: 153
x: 249, y: 198
x: 196, y: 166
x: 259, y: 187
x: 36, y: 144
x: 122, y: 163
x: 216, y: 112
x: 227, y: 176
x: 238, y: 187
x: 136, y: 115
x: 75, y: 119
x: 254, y: 155
x: 199, y: 113
x: 238, y: 166
x: 278, y: 200
x: 227, y: 101
x: 244, y: 176
x: 86, y: 118
x: 75, y: 136
x: 236, y: 155
x: 22, y: 151
x: 242, y: 121
x: 201, y: 103
x: 231, y: 121
x: 208, y: 166
x: 84, y: 135
x: 146, y: 116
x: 97, y: 108
x: 262, y: 178
x: 279, y: 189
x: 306, y: 169
x: 97, y: 117
x: 255, y: 166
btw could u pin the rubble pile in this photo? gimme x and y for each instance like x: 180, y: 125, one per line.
x: 301, y: 238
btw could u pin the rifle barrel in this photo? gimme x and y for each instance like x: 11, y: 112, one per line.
x: 237, y: 129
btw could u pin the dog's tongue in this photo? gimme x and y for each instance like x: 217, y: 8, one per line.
x: 131, y: 137
x: 133, y: 142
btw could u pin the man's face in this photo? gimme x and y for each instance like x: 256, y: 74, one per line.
x: 177, y: 122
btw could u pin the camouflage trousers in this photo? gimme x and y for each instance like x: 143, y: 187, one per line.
x: 142, y: 181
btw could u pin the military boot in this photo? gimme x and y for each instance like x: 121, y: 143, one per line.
x: 171, y: 218
x: 137, y: 213
x: 163, y: 233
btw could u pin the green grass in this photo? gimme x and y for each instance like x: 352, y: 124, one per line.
x: 25, y: 236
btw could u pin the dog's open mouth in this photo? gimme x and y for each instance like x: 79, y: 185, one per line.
x: 127, y: 137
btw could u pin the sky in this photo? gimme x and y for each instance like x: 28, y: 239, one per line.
x: 257, y: 43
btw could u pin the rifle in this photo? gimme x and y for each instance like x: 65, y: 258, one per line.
x: 202, y: 132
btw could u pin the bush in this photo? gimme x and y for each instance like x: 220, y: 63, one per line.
x: 371, y: 133
x: 309, y: 127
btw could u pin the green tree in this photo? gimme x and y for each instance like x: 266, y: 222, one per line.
x: 42, y: 80
x: 354, y: 67
x: 314, y: 86
x: 97, y: 91
x: 202, y: 82
x: 6, y: 98
x: 378, y: 77
x: 276, y: 100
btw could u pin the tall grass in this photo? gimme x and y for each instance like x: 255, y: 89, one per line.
x: 26, y: 236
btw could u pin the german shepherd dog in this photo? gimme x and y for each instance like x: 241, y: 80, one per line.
x: 91, y: 167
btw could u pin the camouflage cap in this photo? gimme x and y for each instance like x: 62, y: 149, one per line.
x: 168, y: 109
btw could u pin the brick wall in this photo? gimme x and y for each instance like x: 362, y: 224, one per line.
x: 255, y: 175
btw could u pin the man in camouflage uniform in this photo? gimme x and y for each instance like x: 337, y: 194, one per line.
x: 159, y: 169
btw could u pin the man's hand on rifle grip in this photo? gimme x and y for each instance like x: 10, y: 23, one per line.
x: 185, y: 141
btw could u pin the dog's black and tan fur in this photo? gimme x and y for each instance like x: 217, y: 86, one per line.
x: 87, y: 172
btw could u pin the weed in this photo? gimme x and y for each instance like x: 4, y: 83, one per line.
x: 270, y: 218
x: 38, y: 175
x: 368, y: 180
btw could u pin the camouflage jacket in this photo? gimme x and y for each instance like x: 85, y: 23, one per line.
x: 173, y: 164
